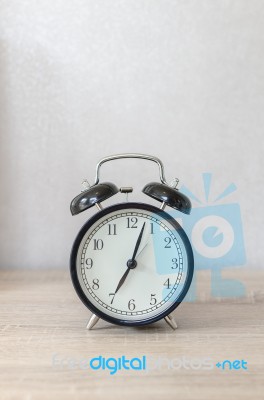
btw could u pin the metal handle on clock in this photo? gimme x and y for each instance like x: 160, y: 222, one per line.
x: 132, y: 155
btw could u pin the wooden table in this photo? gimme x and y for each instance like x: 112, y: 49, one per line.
x: 45, y: 348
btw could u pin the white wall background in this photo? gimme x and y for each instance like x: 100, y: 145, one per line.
x: 183, y: 80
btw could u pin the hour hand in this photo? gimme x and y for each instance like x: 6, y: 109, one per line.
x: 122, y: 280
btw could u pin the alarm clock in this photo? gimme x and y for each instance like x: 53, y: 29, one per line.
x: 131, y: 263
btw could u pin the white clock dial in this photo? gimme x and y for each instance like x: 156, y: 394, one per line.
x: 124, y: 288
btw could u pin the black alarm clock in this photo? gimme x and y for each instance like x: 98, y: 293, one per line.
x: 131, y: 263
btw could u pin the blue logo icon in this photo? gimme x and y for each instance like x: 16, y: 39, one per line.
x: 215, y: 230
x: 216, y: 234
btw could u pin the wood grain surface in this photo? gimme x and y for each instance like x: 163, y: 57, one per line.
x: 45, y: 348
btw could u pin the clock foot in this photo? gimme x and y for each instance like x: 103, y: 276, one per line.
x: 92, y: 321
x: 171, y: 321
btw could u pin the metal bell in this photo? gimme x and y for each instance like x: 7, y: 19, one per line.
x: 95, y: 194
x: 170, y: 196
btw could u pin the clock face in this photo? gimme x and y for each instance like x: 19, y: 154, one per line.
x: 131, y: 264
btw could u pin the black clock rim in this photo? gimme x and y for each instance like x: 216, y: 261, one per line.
x: 102, y: 213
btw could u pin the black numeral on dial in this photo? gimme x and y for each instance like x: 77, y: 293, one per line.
x: 98, y: 244
x: 167, y: 283
x: 112, y: 294
x: 168, y: 241
x: 89, y: 263
x: 95, y: 285
x: 174, y: 263
x: 111, y: 229
x: 153, y: 300
x: 132, y: 222
x: 131, y: 305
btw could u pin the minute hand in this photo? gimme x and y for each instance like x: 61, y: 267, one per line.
x: 131, y: 261
x: 138, y: 242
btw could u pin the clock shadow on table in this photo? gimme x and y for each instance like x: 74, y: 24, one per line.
x: 150, y: 328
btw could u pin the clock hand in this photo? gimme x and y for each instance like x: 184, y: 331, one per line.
x: 122, y: 280
x: 132, y: 262
x: 138, y: 242
x: 145, y: 245
x: 142, y: 249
